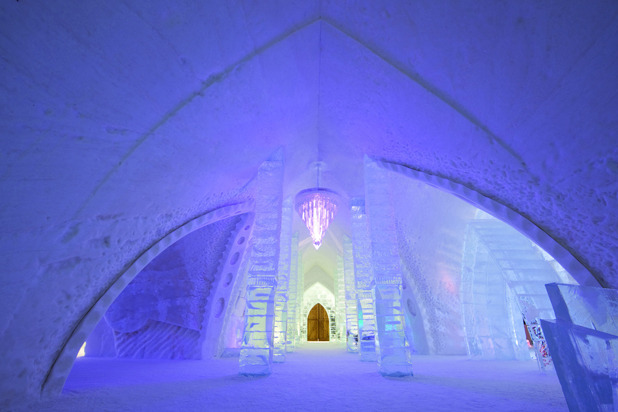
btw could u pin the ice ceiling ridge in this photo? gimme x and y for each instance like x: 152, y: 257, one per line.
x: 561, y: 253
x: 224, y: 74
x: 432, y: 89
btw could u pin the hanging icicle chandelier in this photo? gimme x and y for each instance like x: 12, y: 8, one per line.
x: 317, y: 208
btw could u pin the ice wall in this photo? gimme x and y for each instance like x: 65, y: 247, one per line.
x: 160, y: 314
x: 431, y: 232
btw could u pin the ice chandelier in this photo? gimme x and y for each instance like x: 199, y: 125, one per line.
x: 317, y: 208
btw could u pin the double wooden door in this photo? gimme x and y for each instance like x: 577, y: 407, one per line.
x: 317, y: 324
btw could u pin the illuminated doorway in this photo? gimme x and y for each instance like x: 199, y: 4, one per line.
x: 317, y: 324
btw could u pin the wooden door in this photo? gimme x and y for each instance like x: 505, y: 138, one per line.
x: 317, y: 324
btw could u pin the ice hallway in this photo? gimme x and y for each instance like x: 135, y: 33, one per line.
x: 129, y: 126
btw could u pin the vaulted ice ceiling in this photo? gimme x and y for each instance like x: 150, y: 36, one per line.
x: 123, y: 120
x: 148, y: 108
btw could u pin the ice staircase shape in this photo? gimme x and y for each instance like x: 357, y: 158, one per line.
x: 525, y: 272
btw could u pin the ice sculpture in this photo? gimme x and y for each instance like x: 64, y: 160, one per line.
x: 292, y: 318
x: 257, y: 344
x: 584, y: 344
x: 351, y: 313
x: 394, y: 353
x: 283, y: 276
x: 364, y: 281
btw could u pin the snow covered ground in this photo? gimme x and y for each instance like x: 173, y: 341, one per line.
x: 319, y: 376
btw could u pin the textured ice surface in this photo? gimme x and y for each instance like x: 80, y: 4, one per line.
x: 394, y: 351
x: 583, y: 341
x: 351, y: 307
x: 592, y: 308
x: 257, y: 344
x: 363, y: 275
x: 503, y: 284
x: 283, y: 283
x: 293, y: 298
x: 161, y: 313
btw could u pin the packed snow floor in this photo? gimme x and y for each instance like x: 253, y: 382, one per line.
x: 319, y: 376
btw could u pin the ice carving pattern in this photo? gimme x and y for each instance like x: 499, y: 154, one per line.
x: 257, y: 344
x: 283, y: 279
x: 584, y: 344
x: 292, y: 328
x: 364, y: 282
x: 351, y: 312
x: 394, y: 353
x: 222, y: 323
x: 340, y: 300
x: 158, y: 340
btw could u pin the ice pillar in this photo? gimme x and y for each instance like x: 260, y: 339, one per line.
x: 283, y: 279
x: 351, y: 313
x: 364, y: 281
x: 340, y: 299
x: 394, y: 354
x: 257, y: 345
x: 292, y: 327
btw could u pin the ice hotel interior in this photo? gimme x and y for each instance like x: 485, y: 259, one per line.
x: 309, y: 205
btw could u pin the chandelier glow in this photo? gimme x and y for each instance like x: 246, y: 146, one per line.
x: 317, y: 208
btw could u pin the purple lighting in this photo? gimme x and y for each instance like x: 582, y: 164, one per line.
x: 317, y: 208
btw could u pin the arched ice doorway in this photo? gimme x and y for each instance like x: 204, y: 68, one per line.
x: 317, y: 324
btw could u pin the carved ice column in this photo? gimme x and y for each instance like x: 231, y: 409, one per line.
x: 340, y: 300
x: 257, y: 345
x: 301, y: 321
x: 283, y: 279
x: 351, y: 312
x: 364, y: 282
x: 292, y: 330
x: 394, y: 354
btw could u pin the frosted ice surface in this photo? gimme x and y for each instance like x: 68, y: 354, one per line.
x: 283, y: 280
x: 394, y: 351
x: 364, y: 281
x: 257, y: 344
x: 350, y: 297
x: 584, y: 344
x: 585, y: 306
